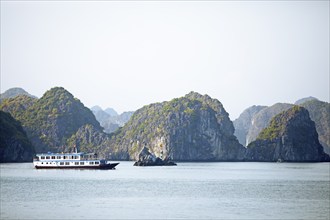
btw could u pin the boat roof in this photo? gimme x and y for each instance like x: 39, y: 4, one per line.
x: 61, y: 154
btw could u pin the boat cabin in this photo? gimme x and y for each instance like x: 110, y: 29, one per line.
x: 65, y: 156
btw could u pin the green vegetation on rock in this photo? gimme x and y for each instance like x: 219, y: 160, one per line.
x: 262, y: 119
x: 277, y: 124
x: 290, y: 136
x: 18, y: 106
x: 52, y: 119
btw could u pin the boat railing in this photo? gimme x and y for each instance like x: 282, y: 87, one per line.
x: 69, y: 158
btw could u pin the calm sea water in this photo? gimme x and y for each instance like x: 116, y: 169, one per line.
x: 187, y: 191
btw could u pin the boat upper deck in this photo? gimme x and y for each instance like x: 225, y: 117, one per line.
x: 66, y: 156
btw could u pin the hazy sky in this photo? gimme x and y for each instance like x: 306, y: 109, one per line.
x: 129, y: 54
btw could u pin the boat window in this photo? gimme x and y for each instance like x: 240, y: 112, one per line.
x: 53, y: 157
x: 91, y: 163
x: 82, y: 163
x: 42, y: 157
x: 61, y: 163
x: 47, y: 157
x: 76, y: 163
x: 97, y: 162
x: 64, y: 157
x: 58, y: 157
x: 67, y: 163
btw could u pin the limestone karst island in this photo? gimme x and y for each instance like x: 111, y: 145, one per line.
x: 193, y: 127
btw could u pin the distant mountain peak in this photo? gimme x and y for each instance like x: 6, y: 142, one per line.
x: 244, y: 122
x: 111, y: 112
x: 193, y: 94
x: 197, y: 96
x: 16, y: 91
x: 57, y: 91
x: 303, y: 100
x: 96, y: 108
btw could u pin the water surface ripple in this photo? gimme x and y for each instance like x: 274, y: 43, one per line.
x: 187, y: 191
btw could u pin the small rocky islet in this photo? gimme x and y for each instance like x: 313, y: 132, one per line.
x: 146, y: 158
x: 194, y: 127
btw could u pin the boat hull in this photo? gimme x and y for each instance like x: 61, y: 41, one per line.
x: 109, y: 166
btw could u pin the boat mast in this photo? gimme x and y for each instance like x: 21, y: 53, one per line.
x: 75, y: 149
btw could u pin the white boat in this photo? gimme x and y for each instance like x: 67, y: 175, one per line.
x: 71, y: 161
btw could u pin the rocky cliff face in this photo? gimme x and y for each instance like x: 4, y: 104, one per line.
x: 193, y: 127
x: 320, y: 113
x: 244, y: 122
x: 14, y: 144
x: 262, y: 118
x: 89, y: 139
x: 291, y: 136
